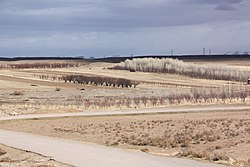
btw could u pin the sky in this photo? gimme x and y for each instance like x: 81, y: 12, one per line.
x: 98, y: 28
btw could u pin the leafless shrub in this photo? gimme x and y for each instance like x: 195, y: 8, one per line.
x: 175, y: 66
x: 196, y: 95
x: 8, y: 160
x: 195, y: 154
x: 33, y: 85
x: 247, y: 130
x: 2, y: 152
x: 57, y: 89
x: 219, y: 157
x: 144, y: 149
x: 17, y: 93
x: 225, y: 92
x: 49, y: 77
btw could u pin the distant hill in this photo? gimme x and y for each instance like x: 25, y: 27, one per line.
x: 119, y: 59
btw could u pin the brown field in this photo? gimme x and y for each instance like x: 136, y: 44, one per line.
x: 22, y: 91
x: 212, y: 136
x: 14, y: 157
x: 233, y: 62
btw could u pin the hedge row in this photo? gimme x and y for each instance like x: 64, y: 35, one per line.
x: 98, y: 80
x: 39, y: 65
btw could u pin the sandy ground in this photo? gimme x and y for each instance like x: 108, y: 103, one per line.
x: 21, y: 92
x: 230, y: 62
x: 81, y: 154
x: 10, y: 157
x: 213, y: 136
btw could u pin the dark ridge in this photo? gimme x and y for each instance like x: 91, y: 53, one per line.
x: 180, y: 57
x: 40, y: 58
x: 123, y: 58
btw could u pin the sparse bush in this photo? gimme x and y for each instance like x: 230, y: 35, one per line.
x: 219, y: 157
x: 17, y: 93
x: 57, y: 89
x: 175, y: 66
x: 144, y: 149
x: 2, y: 152
x: 195, y: 154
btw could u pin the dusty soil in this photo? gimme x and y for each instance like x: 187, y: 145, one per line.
x: 10, y: 157
x: 232, y: 62
x: 213, y: 136
x: 22, y: 92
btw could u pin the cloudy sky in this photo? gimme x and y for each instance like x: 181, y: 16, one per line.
x: 122, y: 27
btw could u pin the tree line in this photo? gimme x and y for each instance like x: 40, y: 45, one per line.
x: 225, y: 94
x: 99, y: 80
x: 175, y: 66
x: 39, y: 65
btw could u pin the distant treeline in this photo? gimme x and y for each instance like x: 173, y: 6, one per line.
x: 175, y: 66
x: 40, y: 65
x: 119, y: 59
x: 99, y: 80
x: 39, y: 58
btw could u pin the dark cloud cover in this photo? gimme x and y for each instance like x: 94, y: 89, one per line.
x: 109, y: 27
x: 224, y: 7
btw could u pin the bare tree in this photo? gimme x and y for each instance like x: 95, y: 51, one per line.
x: 175, y: 66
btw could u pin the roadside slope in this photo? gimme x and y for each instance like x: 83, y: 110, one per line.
x: 127, y: 112
x: 80, y: 154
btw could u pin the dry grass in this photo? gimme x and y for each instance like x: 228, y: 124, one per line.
x: 17, y: 93
x: 154, y: 90
x: 40, y: 65
x: 219, y: 136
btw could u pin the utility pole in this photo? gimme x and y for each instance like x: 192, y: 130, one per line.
x: 172, y: 52
x: 210, y: 51
x: 204, y: 51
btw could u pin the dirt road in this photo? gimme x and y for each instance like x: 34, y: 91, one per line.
x: 89, y: 155
x: 80, y: 154
x: 126, y: 112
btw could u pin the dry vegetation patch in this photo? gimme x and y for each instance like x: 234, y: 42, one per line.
x: 2, y: 152
x: 41, y: 64
x: 213, y: 136
x: 36, y: 90
x: 14, y: 157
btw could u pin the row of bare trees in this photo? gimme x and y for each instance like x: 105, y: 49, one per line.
x: 39, y: 65
x: 48, y: 77
x: 99, y: 80
x: 175, y: 66
x: 196, y: 95
x: 226, y: 94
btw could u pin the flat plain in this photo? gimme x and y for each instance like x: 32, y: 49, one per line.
x: 217, y: 136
